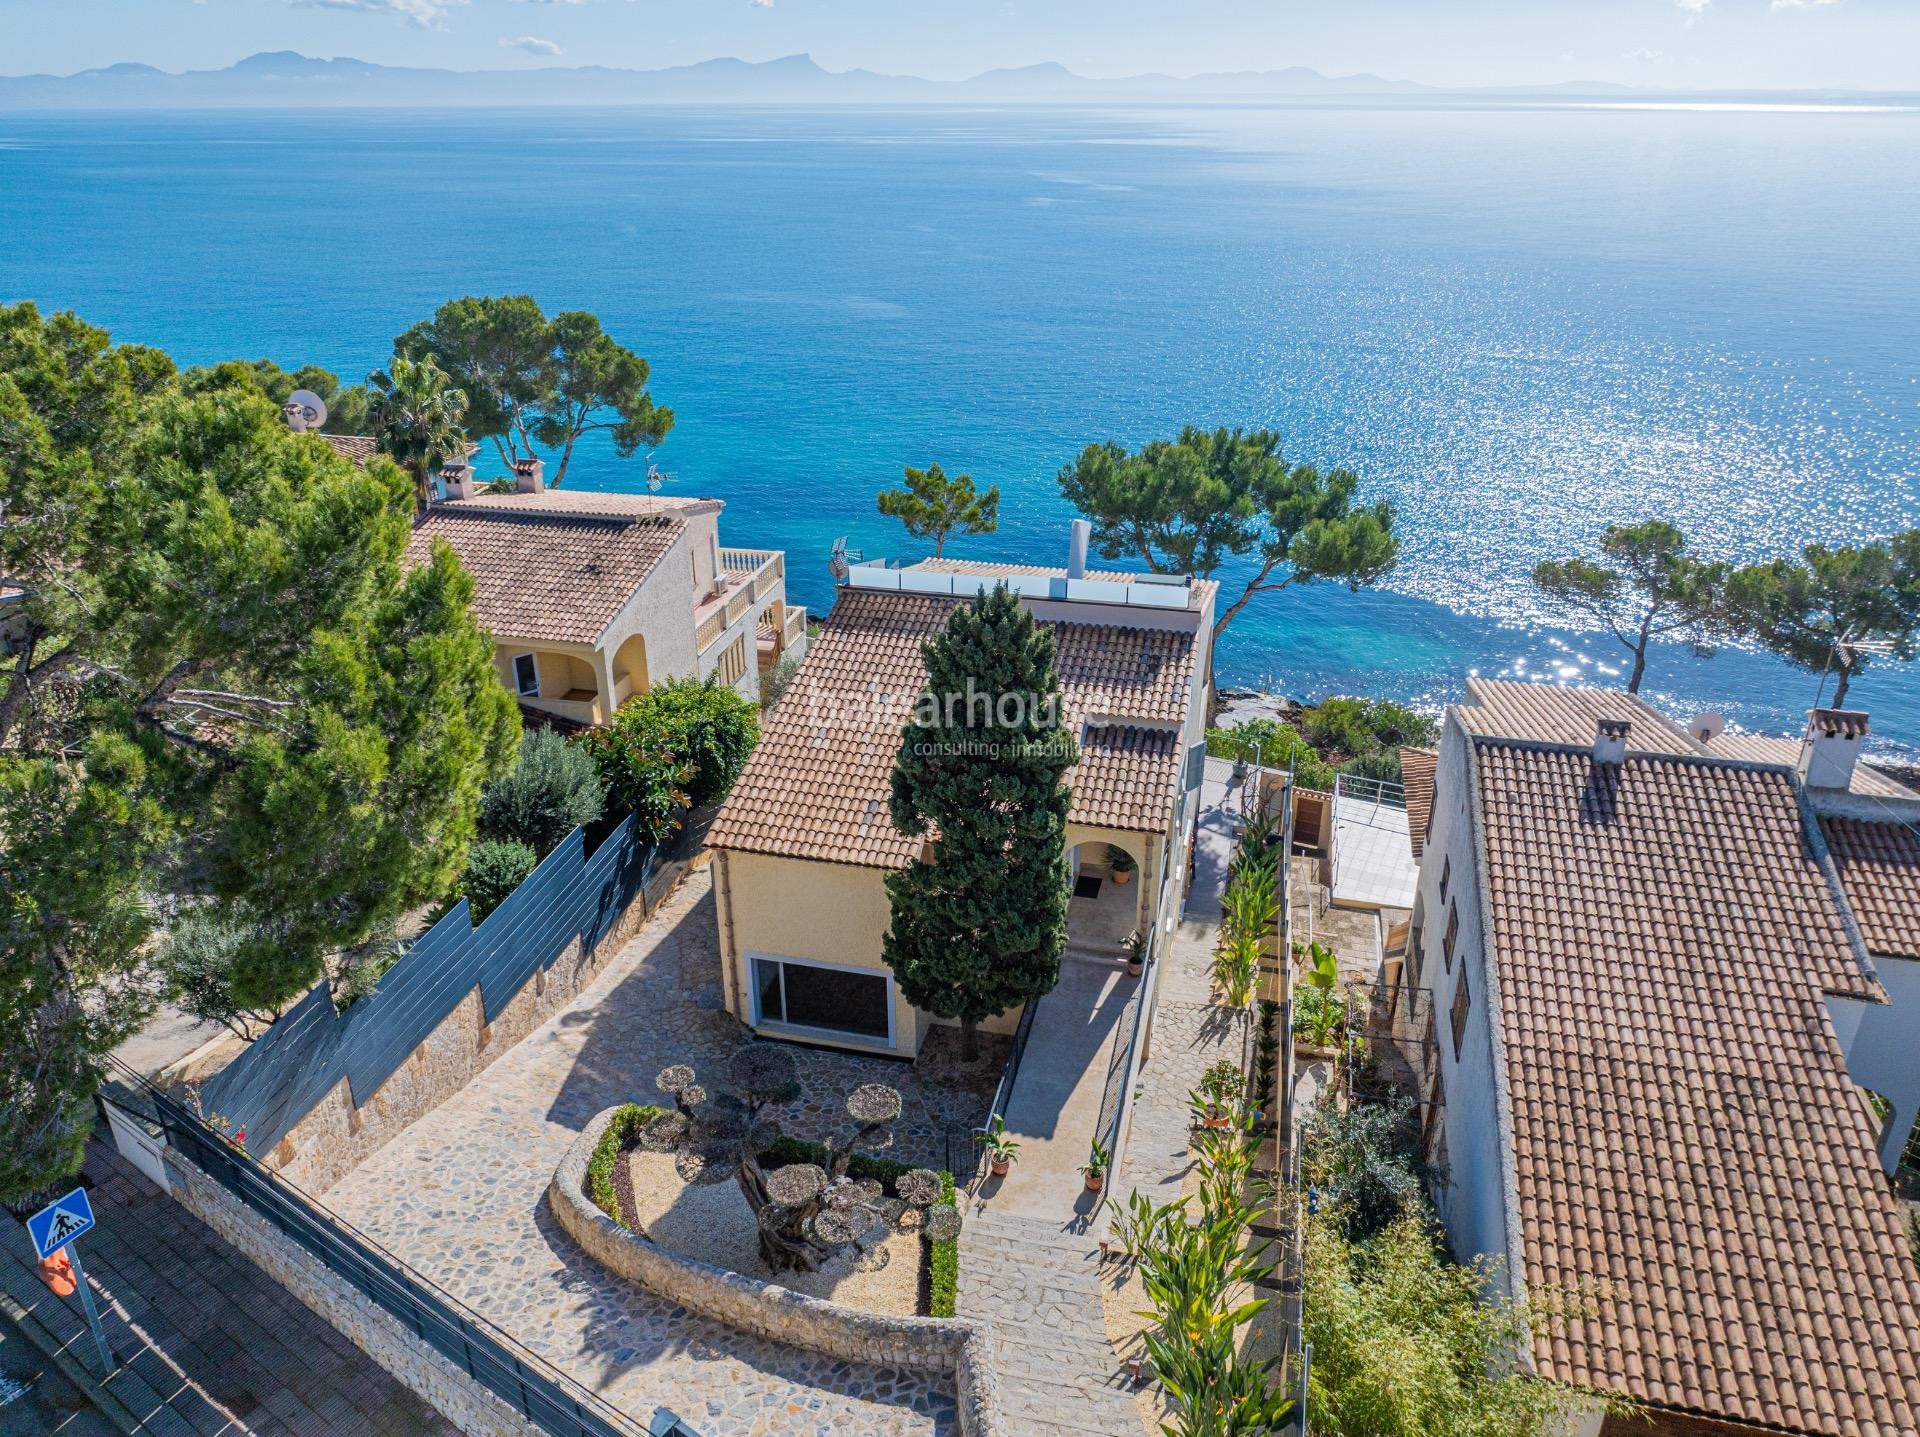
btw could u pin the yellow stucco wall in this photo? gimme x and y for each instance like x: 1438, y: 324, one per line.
x: 819, y: 912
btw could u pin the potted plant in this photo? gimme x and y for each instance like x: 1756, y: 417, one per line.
x: 1095, y: 1167
x: 1221, y: 1086
x: 1318, y: 1008
x: 1002, y: 1150
x: 1120, y: 865
x: 1136, y: 953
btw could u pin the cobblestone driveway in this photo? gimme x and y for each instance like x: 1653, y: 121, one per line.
x: 461, y: 1196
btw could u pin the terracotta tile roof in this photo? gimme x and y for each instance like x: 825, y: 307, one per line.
x: 1126, y: 777
x: 1760, y: 748
x: 357, y: 447
x: 587, y: 501
x: 1557, y: 713
x: 1879, y: 866
x: 1685, y: 1135
x: 817, y: 785
x: 547, y: 576
x: 1417, y: 767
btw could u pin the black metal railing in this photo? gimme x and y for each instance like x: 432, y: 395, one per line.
x: 538, y: 1391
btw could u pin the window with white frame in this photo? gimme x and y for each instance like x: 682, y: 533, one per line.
x: 823, y: 998
x: 526, y: 676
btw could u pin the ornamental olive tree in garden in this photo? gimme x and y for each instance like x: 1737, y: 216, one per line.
x: 225, y: 685
x: 807, y: 1213
x: 980, y: 918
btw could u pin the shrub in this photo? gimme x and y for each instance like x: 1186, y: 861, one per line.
x: 943, y: 1263
x: 705, y: 724
x: 1275, y: 745
x: 1405, y: 1345
x: 1361, y: 1161
x: 553, y: 789
x: 774, y: 686
x: 1357, y: 727
x: 623, y: 1130
x: 201, y: 961
x: 1382, y: 764
x: 495, y: 867
x: 640, y: 778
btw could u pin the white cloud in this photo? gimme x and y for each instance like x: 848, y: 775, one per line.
x: 1645, y: 56
x: 550, y: 2
x: 761, y: 4
x: 533, y: 45
x: 421, y: 14
x: 1693, y: 9
x: 1803, y: 4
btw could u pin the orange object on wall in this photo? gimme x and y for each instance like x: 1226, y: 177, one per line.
x: 57, y: 1273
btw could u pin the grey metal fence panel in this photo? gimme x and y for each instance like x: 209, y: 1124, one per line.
x: 295, y: 1063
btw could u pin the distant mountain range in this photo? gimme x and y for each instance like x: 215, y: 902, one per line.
x: 284, y: 78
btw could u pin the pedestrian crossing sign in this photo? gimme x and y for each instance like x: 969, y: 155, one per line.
x: 60, y: 1222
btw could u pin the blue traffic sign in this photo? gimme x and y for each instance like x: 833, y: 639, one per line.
x: 60, y: 1222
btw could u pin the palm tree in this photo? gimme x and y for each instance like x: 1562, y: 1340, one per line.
x: 416, y: 413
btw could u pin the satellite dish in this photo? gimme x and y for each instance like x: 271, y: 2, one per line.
x: 1707, y: 727
x: 305, y: 410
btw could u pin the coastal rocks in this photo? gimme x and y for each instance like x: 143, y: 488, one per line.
x: 1233, y: 707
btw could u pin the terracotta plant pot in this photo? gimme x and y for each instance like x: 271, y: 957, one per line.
x: 1216, y: 1120
x: 1134, y: 970
x: 1096, y: 1181
x: 1122, y: 879
x: 999, y: 1166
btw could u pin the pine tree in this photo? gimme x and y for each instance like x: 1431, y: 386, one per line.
x: 980, y: 919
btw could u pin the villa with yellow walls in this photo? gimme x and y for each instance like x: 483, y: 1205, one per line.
x: 802, y: 846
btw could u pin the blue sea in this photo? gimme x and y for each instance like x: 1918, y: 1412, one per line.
x: 1518, y: 322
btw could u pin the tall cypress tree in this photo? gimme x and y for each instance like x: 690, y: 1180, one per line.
x: 980, y: 919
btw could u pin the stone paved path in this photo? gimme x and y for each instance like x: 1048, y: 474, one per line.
x: 207, y: 1343
x: 461, y: 1194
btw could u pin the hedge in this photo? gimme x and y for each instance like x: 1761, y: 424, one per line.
x: 943, y: 1262
x: 622, y: 1128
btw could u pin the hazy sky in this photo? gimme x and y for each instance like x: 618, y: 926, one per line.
x: 1871, y: 44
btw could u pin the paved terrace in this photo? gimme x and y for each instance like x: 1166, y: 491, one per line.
x: 461, y: 1195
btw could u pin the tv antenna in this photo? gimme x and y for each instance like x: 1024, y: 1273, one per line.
x: 1846, y: 649
x: 657, y: 478
x: 304, y: 410
x: 841, y: 561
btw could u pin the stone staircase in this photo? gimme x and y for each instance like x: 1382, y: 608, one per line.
x: 1039, y: 1288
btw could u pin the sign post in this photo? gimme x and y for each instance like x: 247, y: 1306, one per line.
x: 55, y: 1227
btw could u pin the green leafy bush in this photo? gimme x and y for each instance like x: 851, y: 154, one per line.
x: 943, y: 1263
x: 552, y: 789
x: 706, y: 724
x: 640, y: 778
x: 495, y: 867
x: 1357, y: 727
x: 774, y: 686
x: 623, y: 1130
x: 1406, y: 1345
x: 1382, y: 764
x: 1275, y: 745
x: 1361, y: 1160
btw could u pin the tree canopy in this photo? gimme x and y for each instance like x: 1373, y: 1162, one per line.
x: 416, y: 414
x: 226, y: 681
x: 1191, y: 504
x: 1648, y: 587
x: 934, y: 506
x: 533, y: 382
x: 980, y: 921
x: 346, y: 404
x: 1833, y: 610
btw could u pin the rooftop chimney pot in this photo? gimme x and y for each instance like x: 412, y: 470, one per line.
x: 1078, y: 537
x: 1610, y: 741
x: 529, y: 476
x: 1832, y: 747
x: 456, y: 478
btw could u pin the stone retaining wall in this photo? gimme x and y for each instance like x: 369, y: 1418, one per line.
x: 952, y: 1346
x: 461, y: 1400
x: 336, y: 1137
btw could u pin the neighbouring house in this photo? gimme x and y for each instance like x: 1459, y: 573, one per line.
x: 593, y: 598
x: 804, y: 842
x: 1652, y: 971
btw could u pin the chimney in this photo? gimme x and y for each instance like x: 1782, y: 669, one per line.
x: 457, y: 480
x: 296, y: 417
x: 1610, y: 741
x: 1077, y: 538
x: 529, y: 475
x: 1832, y: 747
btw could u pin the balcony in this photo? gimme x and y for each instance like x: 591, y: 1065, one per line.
x: 747, y: 576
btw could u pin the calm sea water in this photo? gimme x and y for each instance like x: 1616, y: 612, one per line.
x: 1518, y: 323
